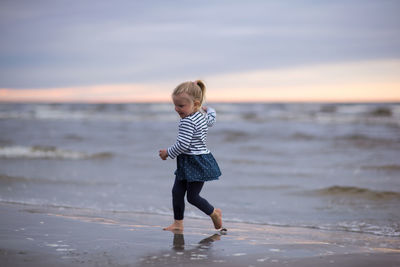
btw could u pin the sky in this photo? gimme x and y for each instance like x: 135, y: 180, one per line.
x: 128, y: 51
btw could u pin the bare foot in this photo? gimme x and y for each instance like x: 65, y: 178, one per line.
x: 216, y: 218
x: 176, y: 226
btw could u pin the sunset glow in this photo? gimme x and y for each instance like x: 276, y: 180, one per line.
x: 372, y: 81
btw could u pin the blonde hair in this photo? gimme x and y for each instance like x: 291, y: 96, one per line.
x: 196, y: 90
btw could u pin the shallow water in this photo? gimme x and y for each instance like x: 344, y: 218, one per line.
x: 327, y: 166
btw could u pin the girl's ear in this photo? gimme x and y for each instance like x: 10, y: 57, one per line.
x: 196, y: 104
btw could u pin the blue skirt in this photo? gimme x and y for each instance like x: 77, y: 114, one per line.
x: 197, y: 168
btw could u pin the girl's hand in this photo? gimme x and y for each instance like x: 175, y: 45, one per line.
x: 163, y: 154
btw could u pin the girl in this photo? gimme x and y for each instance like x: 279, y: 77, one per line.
x: 195, y: 163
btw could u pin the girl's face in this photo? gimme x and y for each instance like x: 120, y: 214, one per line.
x: 184, y: 105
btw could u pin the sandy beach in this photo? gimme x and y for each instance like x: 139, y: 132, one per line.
x: 45, y: 236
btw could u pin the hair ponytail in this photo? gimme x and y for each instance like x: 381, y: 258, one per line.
x: 202, y: 86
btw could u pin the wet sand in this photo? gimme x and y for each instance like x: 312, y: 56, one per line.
x: 46, y: 236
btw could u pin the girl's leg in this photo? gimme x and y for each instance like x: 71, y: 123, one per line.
x: 194, y: 198
x: 178, y: 204
x: 178, y: 198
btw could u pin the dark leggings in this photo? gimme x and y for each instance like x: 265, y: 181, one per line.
x: 193, y: 190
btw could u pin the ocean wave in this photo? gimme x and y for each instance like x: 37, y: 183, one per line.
x: 302, y: 136
x: 5, y: 142
x: 328, y: 108
x: 263, y: 187
x: 362, y: 140
x: 361, y: 137
x: 74, y: 137
x: 38, y: 206
x: 234, y: 135
x: 252, y: 117
x: 47, y: 152
x: 390, y: 167
x: 246, y: 161
x: 381, y: 112
x: 7, y: 179
x: 87, y: 112
x: 363, y: 227
x: 354, y: 226
x: 351, y: 191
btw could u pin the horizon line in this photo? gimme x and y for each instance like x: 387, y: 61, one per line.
x: 322, y: 101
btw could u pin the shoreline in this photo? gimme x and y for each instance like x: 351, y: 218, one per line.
x: 43, y: 236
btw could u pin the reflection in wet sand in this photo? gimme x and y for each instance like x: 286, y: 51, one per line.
x: 182, y: 253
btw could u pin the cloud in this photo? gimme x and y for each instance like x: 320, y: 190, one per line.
x: 52, y: 44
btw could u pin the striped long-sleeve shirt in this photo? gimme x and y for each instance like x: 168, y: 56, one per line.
x: 192, y: 134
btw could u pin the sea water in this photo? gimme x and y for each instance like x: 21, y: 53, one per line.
x: 324, y: 166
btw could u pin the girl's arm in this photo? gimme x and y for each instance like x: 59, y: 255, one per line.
x: 185, y: 134
x: 211, y: 116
